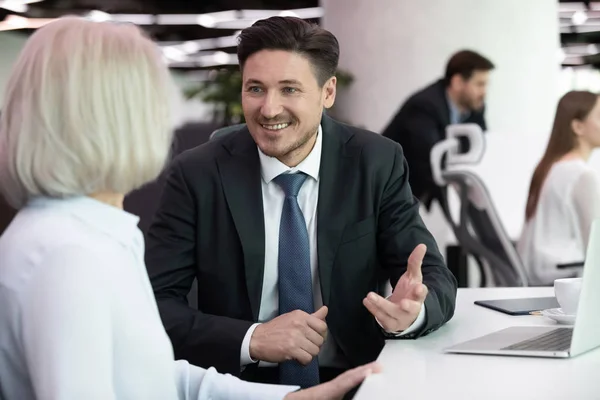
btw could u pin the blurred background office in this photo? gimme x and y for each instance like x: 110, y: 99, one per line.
x: 389, y: 49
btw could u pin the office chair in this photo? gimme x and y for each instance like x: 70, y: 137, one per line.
x: 225, y: 131
x: 479, y: 230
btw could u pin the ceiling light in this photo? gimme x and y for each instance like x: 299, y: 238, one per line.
x: 16, y: 21
x: 173, y: 53
x: 579, y: 17
x: 138, y: 19
x: 14, y: 6
x: 206, y: 21
x: 288, y: 13
x: 191, y: 47
x: 98, y: 16
x: 18, y: 6
x: 221, y: 57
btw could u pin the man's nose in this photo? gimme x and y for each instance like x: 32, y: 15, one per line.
x: 271, y: 106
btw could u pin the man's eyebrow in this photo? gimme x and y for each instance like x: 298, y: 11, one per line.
x: 282, y: 82
x: 290, y: 82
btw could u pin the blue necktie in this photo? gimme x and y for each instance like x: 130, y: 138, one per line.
x: 295, y: 282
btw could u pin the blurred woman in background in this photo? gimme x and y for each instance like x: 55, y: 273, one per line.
x: 86, y: 120
x: 564, y: 195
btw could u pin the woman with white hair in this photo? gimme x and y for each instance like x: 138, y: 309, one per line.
x: 86, y: 119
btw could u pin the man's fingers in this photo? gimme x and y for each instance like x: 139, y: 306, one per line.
x: 411, y: 307
x: 386, y: 320
x: 418, y: 293
x: 310, y: 347
x: 314, y: 336
x: 421, y: 293
x: 302, y: 356
x: 317, y: 325
x: 415, y: 260
x: 391, y: 316
x: 386, y: 306
x: 321, y: 313
x: 351, y: 378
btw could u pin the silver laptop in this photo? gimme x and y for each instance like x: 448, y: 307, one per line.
x: 552, y: 341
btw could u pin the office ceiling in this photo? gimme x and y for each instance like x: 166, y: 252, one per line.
x: 194, y: 34
x: 56, y: 8
x: 200, y: 34
x: 580, y: 32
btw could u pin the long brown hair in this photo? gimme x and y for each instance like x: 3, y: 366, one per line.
x: 575, y: 105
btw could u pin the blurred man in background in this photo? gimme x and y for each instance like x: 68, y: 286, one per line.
x: 422, y: 120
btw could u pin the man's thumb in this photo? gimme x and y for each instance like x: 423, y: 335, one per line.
x: 321, y: 313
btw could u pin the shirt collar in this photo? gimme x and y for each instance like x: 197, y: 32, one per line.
x: 271, y: 167
x: 455, y: 115
x: 112, y: 221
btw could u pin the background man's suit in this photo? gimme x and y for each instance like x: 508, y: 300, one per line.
x: 419, y: 124
x: 210, y: 226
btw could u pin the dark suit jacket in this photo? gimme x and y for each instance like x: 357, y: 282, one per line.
x: 419, y: 124
x: 210, y: 226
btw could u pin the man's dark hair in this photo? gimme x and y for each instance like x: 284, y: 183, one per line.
x: 292, y: 34
x: 464, y: 63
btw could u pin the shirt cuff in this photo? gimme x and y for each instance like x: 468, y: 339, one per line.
x: 417, y: 324
x: 245, y: 358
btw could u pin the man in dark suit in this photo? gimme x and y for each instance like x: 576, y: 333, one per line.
x: 290, y: 226
x: 422, y: 120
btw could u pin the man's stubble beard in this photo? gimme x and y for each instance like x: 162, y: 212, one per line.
x: 299, y: 144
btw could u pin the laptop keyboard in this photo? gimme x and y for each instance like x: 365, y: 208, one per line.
x: 556, y: 340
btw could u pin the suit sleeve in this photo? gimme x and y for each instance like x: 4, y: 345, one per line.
x: 202, y: 339
x: 416, y: 129
x: 400, y: 229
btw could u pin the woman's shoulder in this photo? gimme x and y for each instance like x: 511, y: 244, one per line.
x: 45, y: 229
x: 37, y: 237
x: 567, y: 173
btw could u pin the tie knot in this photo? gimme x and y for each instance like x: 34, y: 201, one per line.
x: 291, y: 183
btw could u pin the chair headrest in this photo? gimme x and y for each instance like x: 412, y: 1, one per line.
x: 471, y: 144
x: 464, y: 144
x: 225, y: 131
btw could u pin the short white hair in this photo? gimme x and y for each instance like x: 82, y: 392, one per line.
x: 87, y: 109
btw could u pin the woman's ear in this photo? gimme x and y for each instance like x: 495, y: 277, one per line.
x: 577, y: 127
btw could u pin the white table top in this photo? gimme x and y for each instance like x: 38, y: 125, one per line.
x: 419, y: 369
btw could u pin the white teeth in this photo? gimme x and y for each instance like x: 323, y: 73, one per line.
x: 276, y: 127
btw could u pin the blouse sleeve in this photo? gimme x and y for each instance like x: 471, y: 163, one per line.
x: 195, y: 383
x: 586, y: 200
x: 66, y: 327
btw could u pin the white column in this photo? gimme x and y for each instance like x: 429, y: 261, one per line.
x: 395, y: 47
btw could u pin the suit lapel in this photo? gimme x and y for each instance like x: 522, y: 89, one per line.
x: 336, y: 164
x: 241, y: 180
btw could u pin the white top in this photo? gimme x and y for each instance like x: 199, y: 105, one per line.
x: 308, y: 196
x: 559, y: 230
x: 420, y: 370
x: 78, y: 316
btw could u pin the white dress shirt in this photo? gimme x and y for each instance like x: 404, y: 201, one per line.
x: 273, y: 198
x: 559, y: 230
x: 78, y: 316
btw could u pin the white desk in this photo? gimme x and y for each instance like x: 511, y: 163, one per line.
x: 418, y: 369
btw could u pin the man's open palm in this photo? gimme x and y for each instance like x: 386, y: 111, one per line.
x: 402, y: 308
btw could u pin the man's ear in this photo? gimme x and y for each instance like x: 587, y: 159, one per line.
x: 457, y: 81
x: 329, y: 92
